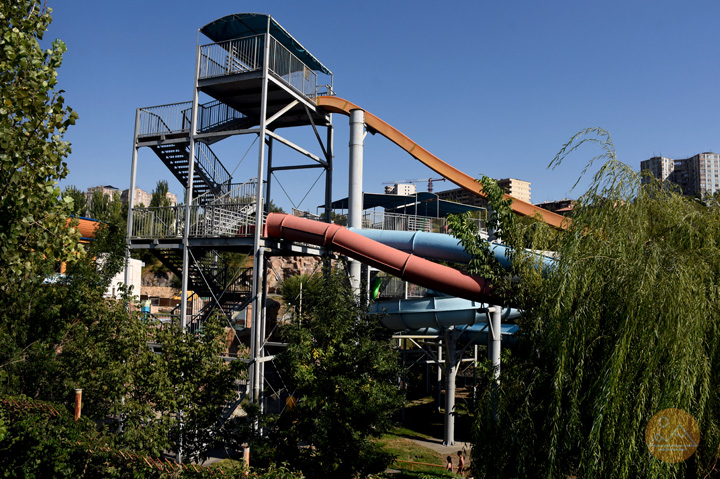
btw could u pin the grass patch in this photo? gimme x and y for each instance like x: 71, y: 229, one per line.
x: 405, y: 449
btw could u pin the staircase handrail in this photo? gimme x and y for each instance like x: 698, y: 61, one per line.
x: 232, y: 190
x: 175, y: 117
x: 213, y: 168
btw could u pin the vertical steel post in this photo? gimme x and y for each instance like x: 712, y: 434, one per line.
x: 450, y: 375
x: 258, y: 253
x: 131, y: 198
x: 494, y: 345
x: 189, y: 193
x: 495, y: 340
x: 328, y: 171
x: 438, y: 379
x: 355, y: 189
x: 269, y: 172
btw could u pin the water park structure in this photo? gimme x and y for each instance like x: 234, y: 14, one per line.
x: 256, y: 80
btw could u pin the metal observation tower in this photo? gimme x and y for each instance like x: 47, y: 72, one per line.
x: 252, y: 78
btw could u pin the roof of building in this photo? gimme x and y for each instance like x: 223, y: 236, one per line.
x: 239, y: 25
x: 427, y: 204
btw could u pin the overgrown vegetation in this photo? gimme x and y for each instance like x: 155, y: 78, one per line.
x: 342, y: 375
x: 624, y: 325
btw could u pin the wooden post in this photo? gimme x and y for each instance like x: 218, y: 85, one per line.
x: 78, y: 403
x: 246, y: 455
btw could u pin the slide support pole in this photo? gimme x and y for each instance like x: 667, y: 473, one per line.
x: 355, y: 190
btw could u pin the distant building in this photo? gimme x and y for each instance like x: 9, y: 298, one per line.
x: 107, y: 190
x: 144, y: 198
x: 139, y: 197
x: 562, y: 207
x: 516, y: 188
x: 697, y: 175
x: 405, y: 189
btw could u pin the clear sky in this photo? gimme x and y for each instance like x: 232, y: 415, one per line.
x: 491, y: 87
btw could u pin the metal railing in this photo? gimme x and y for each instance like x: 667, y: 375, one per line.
x: 241, y: 55
x: 289, y: 67
x: 158, y: 222
x: 212, y: 167
x: 245, y: 55
x: 163, y: 119
x: 210, y: 220
x: 230, y: 214
x: 175, y: 118
x: 215, y: 114
x: 233, y: 193
x: 380, y: 220
x: 393, y: 287
x: 206, y: 221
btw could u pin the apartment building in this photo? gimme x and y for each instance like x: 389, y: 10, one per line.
x: 697, y: 175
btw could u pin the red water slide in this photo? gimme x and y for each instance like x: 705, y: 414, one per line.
x: 407, y: 266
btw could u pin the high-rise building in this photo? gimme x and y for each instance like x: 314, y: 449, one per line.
x: 697, y: 175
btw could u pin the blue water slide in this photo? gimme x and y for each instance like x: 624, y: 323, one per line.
x: 429, y: 315
x: 435, y: 312
x: 438, y: 246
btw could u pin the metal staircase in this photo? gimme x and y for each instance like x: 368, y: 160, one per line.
x: 170, y: 124
x: 223, y: 287
x: 210, y: 179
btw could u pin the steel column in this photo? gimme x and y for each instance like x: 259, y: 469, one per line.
x: 494, y: 345
x: 189, y: 193
x: 451, y: 363
x: 258, y: 252
x: 355, y: 189
x: 328, y: 171
x: 131, y: 199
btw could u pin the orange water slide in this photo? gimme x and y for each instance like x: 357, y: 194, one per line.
x: 87, y: 228
x: 334, y: 104
x: 406, y: 266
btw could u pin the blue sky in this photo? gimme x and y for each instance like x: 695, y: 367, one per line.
x: 492, y: 88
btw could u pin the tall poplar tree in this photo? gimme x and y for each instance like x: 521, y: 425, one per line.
x: 33, y: 119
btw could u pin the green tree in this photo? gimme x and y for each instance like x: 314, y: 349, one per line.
x: 61, y: 333
x: 33, y: 119
x: 107, y: 208
x: 344, y: 375
x: 79, y: 204
x: 295, y: 288
x: 159, y: 195
x: 624, y: 325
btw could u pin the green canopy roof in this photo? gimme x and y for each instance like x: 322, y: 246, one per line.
x: 239, y: 25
